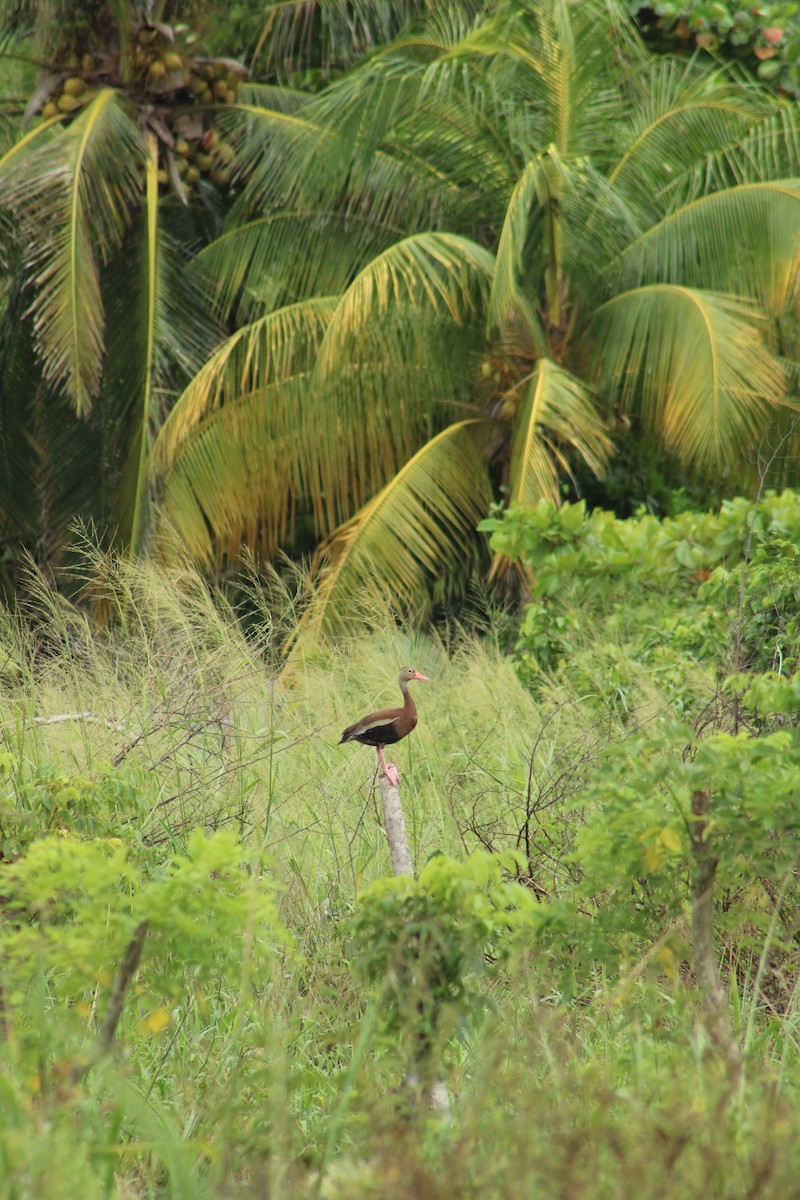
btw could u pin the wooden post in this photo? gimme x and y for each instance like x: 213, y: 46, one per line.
x: 395, y: 826
x: 435, y: 1093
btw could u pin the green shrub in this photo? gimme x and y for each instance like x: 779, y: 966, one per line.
x: 765, y: 37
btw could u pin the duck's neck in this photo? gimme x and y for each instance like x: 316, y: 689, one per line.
x: 408, y: 702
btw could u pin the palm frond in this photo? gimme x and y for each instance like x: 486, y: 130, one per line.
x: 391, y: 367
x: 404, y: 377
x: 50, y: 459
x: 743, y: 240
x: 767, y: 148
x: 135, y: 476
x: 680, y: 117
x: 696, y: 365
x: 257, y: 264
x: 270, y: 96
x: 509, y: 300
x: 409, y: 533
x: 551, y: 61
x: 433, y: 273
x: 238, y: 478
x: 313, y: 176
x: 557, y: 412
x: 280, y: 346
x: 73, y: 198
x: 339, y: 31
x: 22, y: 144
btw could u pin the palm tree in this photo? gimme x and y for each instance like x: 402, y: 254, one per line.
x: 450, y: 269
x: 120, y: 177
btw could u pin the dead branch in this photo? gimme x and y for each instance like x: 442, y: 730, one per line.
x: 107, y: 1031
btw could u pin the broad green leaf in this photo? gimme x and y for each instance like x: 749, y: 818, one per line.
x: 406, y: 536
x: 557, y: 412
x: 79, y: 189
x: 695, y: 364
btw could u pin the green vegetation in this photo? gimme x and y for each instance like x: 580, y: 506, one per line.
x: 117, y: 175
x: 547, y: 962
x: 517, y: 246
x: 521, y: 255
x: 493, y: 313
x: 764, y: 37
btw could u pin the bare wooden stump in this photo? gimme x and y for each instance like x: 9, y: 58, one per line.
x: 717, y: 1017
x: 435, y: 1094
x: 395, y: 826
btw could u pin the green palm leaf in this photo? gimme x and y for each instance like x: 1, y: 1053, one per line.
x: 769, y: 149
x: 257, y: 264
x: 391, y: 364
x: 238, y: 447
x: 311, y: 181
x: 407, y: 535
x: 557, y: 411
x: 135, y: 476
x: 694, y: 362
x: 339, y: 28
x: 237, y: 479
x: 509, y: 299
x: 743, y: 240
x: 50, y: 460
x: 433, y: 273
x: 78, y: 189
x: 22, y: 145
x: 681, y: 116
x: 551, y: 62
x: 272, y: 350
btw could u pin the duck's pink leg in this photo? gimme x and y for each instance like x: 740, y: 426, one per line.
x: 389, y: 769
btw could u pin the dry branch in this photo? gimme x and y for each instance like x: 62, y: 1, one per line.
x: 107, y: 1031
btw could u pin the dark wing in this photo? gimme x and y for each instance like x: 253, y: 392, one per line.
x: 377, y: 729
x: 378, y: 735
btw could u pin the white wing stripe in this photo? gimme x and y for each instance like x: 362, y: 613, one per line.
x: 381, y: 724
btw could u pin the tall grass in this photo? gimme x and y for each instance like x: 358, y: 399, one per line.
x: 280, y: 1082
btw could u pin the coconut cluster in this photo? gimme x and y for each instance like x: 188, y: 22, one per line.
x: 176, y: 90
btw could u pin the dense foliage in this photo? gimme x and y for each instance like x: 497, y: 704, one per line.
x: 117, y: 175
x: 424, y: 258
x: 764, y: 37
x: 484, y: 263
x: 520, y: 255
x: 161, y: 796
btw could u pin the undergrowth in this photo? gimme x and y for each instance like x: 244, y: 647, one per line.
x: 159, y: 782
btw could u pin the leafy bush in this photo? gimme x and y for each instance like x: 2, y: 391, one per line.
x: 72, y: 906
x: 693, y: 562
x: 425, y: 941
x: 765, y: 36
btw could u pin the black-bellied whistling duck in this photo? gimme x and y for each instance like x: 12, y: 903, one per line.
x: 388, y: 726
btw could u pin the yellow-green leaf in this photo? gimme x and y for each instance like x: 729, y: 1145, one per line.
x: 155, y: 1022
x: 669, y: 838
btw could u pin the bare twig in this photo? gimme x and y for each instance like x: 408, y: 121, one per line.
x: 78, y: 716
x: 106, y: 1033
